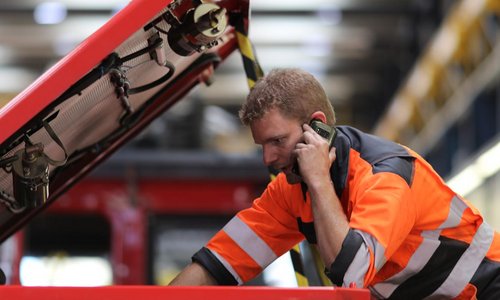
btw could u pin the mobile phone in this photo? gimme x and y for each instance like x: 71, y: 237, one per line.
x: 327, y: 132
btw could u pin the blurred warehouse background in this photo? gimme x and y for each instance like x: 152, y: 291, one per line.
x: 425, y: 73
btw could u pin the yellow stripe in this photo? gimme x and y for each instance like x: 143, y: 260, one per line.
x: 301, y: 278
x: 245, y: 45
x: 251, y: 83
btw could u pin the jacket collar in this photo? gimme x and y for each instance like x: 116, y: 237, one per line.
x: 340, y: 167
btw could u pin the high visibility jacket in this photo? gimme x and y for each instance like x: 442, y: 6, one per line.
x: 410, y: 234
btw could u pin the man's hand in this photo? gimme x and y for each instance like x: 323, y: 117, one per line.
x: 314, y: 157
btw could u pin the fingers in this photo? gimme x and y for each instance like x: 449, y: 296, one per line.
x: 307, y: 128
x: 300, y: 146
x: 332, y: 154
x: 309, y: 133
x: 311, y: 136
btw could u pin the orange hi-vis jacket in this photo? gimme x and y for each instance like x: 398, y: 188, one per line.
x: 410, y: 234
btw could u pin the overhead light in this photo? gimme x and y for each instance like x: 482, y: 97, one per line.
x: 285, y: 57
x: 466, y: 181
x: 488, y: 163
x: 118, y: 6
x: 90, y: 5
x: 286, y: 5
x: 50, y: 13
x: 484, y: 166
x: 330, y: 17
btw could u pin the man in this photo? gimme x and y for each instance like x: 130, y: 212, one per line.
x: 380, y: 216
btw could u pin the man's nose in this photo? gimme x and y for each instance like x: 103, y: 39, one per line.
x: 268, y: 156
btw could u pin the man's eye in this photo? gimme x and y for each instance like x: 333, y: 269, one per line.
x: 279, y: 141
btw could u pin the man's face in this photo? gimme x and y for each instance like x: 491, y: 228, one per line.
x: 278, y: 136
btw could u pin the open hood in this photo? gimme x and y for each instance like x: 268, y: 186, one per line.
x: 136, y: 66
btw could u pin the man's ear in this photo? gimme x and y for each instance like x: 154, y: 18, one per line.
x: 318, y: 115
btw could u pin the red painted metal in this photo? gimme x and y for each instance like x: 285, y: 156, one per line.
x: 126, y: 206
x: 128, y: 223
x: 206, y: 293
x: 157, y: 196
x: 203, y: 196
x: 128, y: 245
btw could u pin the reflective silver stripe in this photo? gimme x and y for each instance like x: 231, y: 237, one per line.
x: 415, y: 265
x: 250, y: 242
x: 425, y: 251
x: 467, y: 264
x: 359, y: 266
x: 378, y: 249
x: 357, y: 269
x: 457, y: 208
x: 228, y: 267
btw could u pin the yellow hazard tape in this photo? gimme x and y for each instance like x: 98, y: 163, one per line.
x: 244, y: 45
x: 298, y: 266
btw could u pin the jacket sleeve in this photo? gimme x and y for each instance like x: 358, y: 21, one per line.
x: 252, y: 239
x: 383, y: 214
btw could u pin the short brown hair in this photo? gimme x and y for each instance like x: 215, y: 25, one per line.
x: 296, y: 93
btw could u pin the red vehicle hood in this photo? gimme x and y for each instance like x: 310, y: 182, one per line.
x: 135, y: 67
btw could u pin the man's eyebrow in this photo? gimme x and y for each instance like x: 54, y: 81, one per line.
x: 276, y: 137
x: 270, y: 139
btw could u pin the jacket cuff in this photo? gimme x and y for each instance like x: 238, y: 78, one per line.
x: 339, y: 267
x: 207, y: 259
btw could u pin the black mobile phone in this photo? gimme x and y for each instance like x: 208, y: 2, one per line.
x: 324, y: 130
x: 327, y: 132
